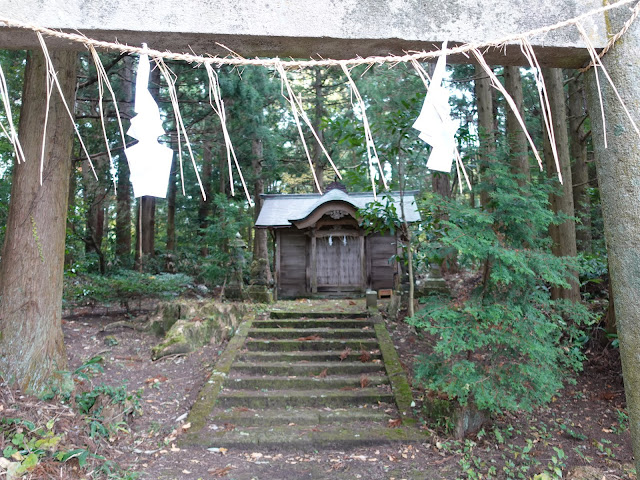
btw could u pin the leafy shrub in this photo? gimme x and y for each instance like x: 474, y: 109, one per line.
x: 123, y: 286
x: 508, y: 346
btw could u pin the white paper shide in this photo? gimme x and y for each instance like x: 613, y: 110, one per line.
x: 149, y: 161
x: 435, y: 124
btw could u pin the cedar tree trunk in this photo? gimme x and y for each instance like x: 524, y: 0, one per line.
x: 484, y: 104
x: 123, y: 196
x: 518, y: 145
x: 260, y: 239
x: 31, y: 342
x: 563, y: 203
x: 580, y: 167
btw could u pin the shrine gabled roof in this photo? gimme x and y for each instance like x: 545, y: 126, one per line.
x: 280, y: 210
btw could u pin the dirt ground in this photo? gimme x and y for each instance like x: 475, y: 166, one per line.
x: 581, y: 434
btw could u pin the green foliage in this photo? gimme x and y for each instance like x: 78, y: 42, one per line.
x: 380, y: 216
x: 228, y: 250
x: 508, y: 346
x: 122, y: 286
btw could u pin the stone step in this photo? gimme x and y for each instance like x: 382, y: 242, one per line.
x: 309, y: 356
x: 308, y: 368
x: 301, y: 345
x: 303, y: 398
x: 328, y: 314
x: 302, y: 416
x: 305, y: 333
x: 270, y: 382
x: 304, y: 438
x: 313, y: 323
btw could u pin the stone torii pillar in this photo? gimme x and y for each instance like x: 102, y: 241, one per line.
x: 618, y: 169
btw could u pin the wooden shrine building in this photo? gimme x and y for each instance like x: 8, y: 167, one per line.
x: 320, y: 249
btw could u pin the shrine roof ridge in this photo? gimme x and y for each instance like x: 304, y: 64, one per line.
x: 279, y: 210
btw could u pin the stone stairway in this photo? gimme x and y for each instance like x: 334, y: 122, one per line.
x: 305, y: 380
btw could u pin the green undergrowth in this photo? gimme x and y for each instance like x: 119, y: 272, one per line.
x: 122, y: 287
x: 71, y: 428
x: 532, y: 451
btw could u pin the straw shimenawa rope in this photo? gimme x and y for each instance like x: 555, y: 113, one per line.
x: 469, y: 50
x: 237, y: 60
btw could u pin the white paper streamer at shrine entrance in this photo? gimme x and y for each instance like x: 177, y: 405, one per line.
x: 435, y: 124
x: 149, y: 161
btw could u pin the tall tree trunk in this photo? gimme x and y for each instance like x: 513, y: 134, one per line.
x: 224, y: 171
x: 204, y: 210
x: 550, y: 167
x: 618, y: 173
x: 484, y: 104
x: 123, y: 196
x: 441, y: 185
x: 171, y: 199
x: 518, y: 145
x: 319, y: 163
x: 260, y: 239
x: 563, y: 203
x: 31, y: 343
x: 148, y: 225
x: 94, y: 197
x: 71, y: 199
x: 580, y: 167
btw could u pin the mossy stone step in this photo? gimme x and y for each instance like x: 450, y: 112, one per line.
x: 301, y: 416
x: 306, y: 345
x: 302, y: 314
x: 320, y: 333
x: 313, y: 323
x: 303, y: 438
x: 303, y: 398
x: 270, y: 382
x: 308, y: 368
x: 309, y: 356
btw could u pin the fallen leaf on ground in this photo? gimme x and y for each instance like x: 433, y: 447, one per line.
x: 345, y: 353
x: 220, y: 472
x: 364, y: 381
x: 158, y: 379
x: 395, y: 423
x: 310, y: 338
x: 322, y: 374
x: 364, y: 356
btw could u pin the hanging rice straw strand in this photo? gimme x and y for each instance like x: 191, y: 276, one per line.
x: 173, y: 94
x: 47, y: 105
x: 372, y: 153
x: 422, y: 73
x: 498, y: 85
x: 103, y: 79
x: 291, y: 99
x: 315, y: 135
x: 53, y: 78
x: 216, y: 96
x: 12, y: 135
x: 459, y: 175
x: 102, y: 122
x: 594, y: 60
x: 464, y: 170
x: 606, y: 74
x: 527, y: 50
x: 223, y: 122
